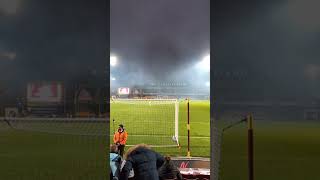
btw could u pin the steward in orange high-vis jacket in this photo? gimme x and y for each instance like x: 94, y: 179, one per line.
x: 120, y: 139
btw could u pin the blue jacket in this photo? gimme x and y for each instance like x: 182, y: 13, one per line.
x: 114, y: 163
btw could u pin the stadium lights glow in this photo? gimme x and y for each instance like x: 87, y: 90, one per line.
x: 113, y: 60
x: 112, y: 78
x: 205, y: 63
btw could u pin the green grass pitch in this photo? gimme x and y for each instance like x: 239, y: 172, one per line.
x: 34, y: 155
x: 283, y: 150
x: 287, y: 150
x: 199, y: 123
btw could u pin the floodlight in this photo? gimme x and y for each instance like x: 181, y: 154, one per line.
x: 113, y: 60
x: 204, y: 64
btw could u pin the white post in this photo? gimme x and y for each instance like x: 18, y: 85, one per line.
x: 176, y: 125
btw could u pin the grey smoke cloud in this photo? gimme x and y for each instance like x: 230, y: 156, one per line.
x: 53, y: 40
x: 156, y: 40
x: 267, y: 40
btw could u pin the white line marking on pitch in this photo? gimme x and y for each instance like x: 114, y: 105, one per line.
x: 192, y: 137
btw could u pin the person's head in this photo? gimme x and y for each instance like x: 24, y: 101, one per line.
x: 167, y: 158
x: 113, y: 148
x: 120, y: 128
x: 168, y: 162
x: 133, y: 148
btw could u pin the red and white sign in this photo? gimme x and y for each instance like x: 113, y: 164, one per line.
x: 51, y: 92
x: 123, y: 91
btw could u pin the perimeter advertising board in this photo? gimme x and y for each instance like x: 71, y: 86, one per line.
x: 123, y: 91
x: 45, y: 92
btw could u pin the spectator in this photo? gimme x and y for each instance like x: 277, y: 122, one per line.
x: 131, y: 174
x: 144, y: 162
x: 169, y: 171
x: 120, y: 139
x: 115, y: 162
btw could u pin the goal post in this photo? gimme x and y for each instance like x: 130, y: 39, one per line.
x: 150, y: 121
x: 176, y: 122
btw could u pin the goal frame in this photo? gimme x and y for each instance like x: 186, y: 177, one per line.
x: 176, y: 116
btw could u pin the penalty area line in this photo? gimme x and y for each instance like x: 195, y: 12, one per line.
x: 194, y: 137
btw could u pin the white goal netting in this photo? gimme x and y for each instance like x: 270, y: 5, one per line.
x: 150, y: 121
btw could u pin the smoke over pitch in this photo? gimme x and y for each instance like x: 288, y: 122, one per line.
x: 266, y: 40
x: 52, y: 41
x: 158, y: 40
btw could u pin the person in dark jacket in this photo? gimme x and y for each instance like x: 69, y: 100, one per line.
x: 169, y: 171
x: 144, y: 162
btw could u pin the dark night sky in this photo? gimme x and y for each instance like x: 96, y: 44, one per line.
x: 156, y: 39
x: 276, y: 44
x: 52, y: 40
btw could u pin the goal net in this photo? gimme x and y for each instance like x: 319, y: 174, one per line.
x: 149, y: 121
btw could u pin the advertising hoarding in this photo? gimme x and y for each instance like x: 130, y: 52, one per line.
x: 45, y: 92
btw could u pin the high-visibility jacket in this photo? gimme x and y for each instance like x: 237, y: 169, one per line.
x: 120, y: 137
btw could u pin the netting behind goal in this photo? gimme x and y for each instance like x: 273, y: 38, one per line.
x: 153, y: 121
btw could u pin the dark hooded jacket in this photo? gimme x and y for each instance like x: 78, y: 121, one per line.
x: 144, y: 162
x: 169, y: 171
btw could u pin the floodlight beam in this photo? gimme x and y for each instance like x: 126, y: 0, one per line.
x: 113, y: 61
